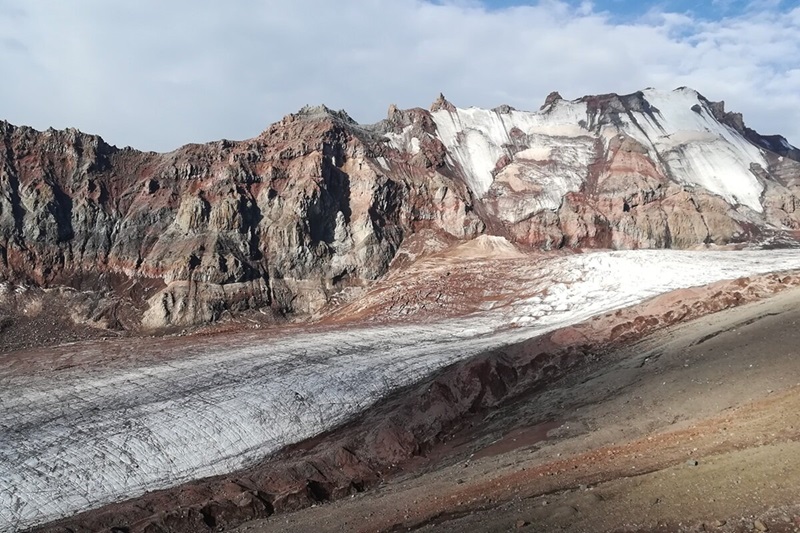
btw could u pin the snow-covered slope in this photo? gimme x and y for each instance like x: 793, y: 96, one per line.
x: 78, y: 437
x: 478, y: 138
x: 679, y: 129
x: 697, y: 149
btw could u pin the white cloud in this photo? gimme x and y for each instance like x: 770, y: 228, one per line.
x: 159, y: 74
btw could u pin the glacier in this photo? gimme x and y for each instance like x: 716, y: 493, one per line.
x: 151, y: 414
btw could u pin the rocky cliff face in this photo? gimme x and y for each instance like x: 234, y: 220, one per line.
x: 318, y: 203
x: 281, y: 221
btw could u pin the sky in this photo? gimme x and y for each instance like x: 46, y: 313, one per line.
x: 630, y: 10
x: 155, y: 75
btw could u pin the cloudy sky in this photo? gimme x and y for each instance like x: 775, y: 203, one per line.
x: 156, y: 74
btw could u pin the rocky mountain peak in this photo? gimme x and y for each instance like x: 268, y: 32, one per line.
x: 503, y: 109
x: 318, y: 111
x: 551, y: 99
x: 729, y: 118
x: 442, y: 103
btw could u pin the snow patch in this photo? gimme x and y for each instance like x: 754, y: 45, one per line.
x: 404, y: 141
x: 536, y: 153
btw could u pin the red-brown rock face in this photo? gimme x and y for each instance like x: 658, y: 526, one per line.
x: 283, y: 220
x: 317, y: 203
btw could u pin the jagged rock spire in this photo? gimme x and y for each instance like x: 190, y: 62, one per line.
x: 442, y: 103
x: 551, y: 99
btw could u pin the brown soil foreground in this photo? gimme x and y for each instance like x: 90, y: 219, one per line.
x: 637, y: 421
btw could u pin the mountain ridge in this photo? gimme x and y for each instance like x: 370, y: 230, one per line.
x: 317, y: 203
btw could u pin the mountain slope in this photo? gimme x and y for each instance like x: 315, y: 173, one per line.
x: 318, y: 204
x: 651, y: 169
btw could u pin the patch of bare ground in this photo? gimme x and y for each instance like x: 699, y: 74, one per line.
x: 619, y: 397
x: 32, y: 318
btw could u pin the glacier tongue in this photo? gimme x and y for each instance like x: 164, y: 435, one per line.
x: 85, y: 436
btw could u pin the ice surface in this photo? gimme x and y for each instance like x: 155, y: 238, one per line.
x: 537, y: 153
x: 542, y: 184
x: 77, y: 438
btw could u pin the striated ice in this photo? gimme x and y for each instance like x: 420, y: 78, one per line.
x: 478, y: 138
x: 698, y: 150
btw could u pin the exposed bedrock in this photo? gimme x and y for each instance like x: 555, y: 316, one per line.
x: 317, y: 203
x: 280, y: 221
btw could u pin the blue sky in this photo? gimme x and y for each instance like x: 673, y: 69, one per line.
x: 156, y: 75
x: 627, y: 10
